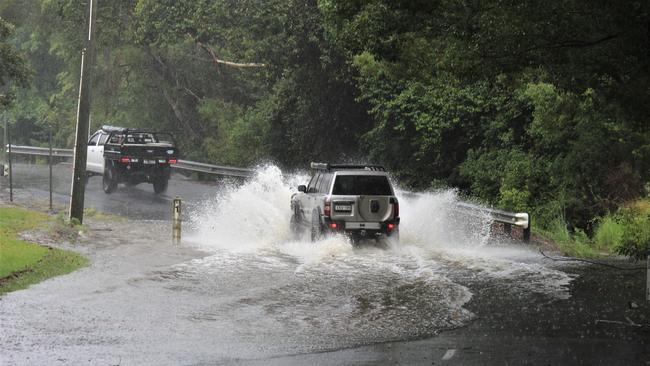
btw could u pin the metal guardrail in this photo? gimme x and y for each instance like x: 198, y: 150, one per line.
x: 41, y: 151
x: 509, y: 219
x: 194, y: 166
x: 520, y: 219
x: 213, y: 169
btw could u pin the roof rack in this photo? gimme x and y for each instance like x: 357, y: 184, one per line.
x: 327, y: 166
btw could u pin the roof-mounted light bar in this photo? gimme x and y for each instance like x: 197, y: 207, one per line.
x: 320, y: 166
x: 109, y: 129
x: 326, y: 166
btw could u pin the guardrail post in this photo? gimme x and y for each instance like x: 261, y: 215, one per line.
x: 527, y: 230
x: 176, y: 220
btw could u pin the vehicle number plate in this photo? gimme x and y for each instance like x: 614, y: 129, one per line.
x: 343, y: 207
x: 149, y: 161
x: 362, y: 225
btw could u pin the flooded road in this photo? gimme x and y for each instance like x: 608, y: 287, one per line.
x: 237, y: 290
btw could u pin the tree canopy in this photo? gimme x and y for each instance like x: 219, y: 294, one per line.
x: 538, y: 106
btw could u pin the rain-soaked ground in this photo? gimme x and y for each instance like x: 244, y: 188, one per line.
x: 237, y: 290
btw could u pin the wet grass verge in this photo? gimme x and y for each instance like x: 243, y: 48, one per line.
x: 22, y: 263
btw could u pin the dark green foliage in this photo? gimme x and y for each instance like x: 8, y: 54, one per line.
x: 635, y: 242
x: 535, y: 106
x: 13, y: 67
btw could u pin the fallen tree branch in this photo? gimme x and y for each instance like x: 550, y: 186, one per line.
x: 216, y: 60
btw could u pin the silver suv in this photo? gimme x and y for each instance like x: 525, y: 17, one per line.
x: 356, y: 200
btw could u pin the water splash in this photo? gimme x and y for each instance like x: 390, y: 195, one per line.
x: 245, y: 218
x: 253, y: 219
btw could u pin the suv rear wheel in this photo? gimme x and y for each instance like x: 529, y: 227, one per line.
x: 316, y: 228
x: 394, y: 237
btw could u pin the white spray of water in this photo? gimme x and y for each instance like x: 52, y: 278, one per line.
x: 253, y: 218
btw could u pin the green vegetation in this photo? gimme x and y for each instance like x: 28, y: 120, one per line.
x: 16, y: 254
x: 535, y: 106
x: 625, y: 232
x: 22, y: 263
x: 634, y: 226
x: 609, y: 232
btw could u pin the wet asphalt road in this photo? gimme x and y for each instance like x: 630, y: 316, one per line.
x: 236, y: 291
x: 31, y: 183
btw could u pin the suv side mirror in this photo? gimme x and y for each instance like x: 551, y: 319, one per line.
x: 302, y: 188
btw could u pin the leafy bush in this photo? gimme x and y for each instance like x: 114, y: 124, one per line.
x: 609, y: 232
x: 635, y: 241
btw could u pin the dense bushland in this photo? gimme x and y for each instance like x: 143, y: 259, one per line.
x: 529, y: 106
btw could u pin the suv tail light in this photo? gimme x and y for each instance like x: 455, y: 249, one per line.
x: 125, y: 159
x: 396, y: 208
x: 328, y: 207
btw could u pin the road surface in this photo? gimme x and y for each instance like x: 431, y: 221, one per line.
x: 238, y: 291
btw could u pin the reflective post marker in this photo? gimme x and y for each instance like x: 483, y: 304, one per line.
x: 176, y: 220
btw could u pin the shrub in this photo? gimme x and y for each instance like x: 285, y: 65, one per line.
x: 635, y: 241
x: 609, y: 232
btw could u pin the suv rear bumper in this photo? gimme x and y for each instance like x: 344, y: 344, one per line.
x: 385, y: 228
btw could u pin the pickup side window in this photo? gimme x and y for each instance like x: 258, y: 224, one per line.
x: 93, y: 140
x: 102, y: 139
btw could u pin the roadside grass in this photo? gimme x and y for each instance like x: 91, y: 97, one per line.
x: 609, y: 232
x: 626, y: 232
x: 22, y: 263
x: 575, y: 244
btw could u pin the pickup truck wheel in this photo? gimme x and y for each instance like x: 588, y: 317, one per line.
x: 160, y: 185
x: 316, y: 228
x: 109, y: 181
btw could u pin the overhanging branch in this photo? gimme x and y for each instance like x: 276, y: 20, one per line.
x: 216, y: 60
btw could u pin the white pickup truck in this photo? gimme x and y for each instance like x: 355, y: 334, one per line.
x: 122, y: 155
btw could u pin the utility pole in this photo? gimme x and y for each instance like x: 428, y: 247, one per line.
x: 83, y: 113
x: 5, y: 141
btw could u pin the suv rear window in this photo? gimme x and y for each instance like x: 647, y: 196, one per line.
x: 353, y: 185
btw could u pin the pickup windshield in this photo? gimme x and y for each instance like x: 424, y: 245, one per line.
x: 354, y: 185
